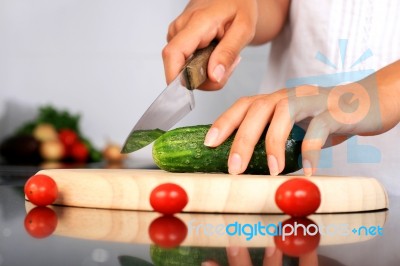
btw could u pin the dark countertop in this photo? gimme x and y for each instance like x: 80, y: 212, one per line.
x: 102, y: 237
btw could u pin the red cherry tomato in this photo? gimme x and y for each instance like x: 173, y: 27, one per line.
x: 67, y: 137
x: 79, y: 152
x: 167, y: 231
x: 297, y: 241
x: 168, y: 198
x: 41, y: 190
x: 298, y: 197
x: 41, y: 222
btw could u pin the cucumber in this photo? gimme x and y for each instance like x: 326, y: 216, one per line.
x: 194, y: 256
x: 182, y: 150
x: 188, y: 256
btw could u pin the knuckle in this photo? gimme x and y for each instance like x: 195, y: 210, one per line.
x: 282, y: 106
x: 245, y: 140
x: 272, y: 140
x: 167, y: 51
x: 320, y: 123
x: 199, y: 15
x: 179, y: 23
x: 229, y: 54
x: 246, y: 30
x: 245, y: 100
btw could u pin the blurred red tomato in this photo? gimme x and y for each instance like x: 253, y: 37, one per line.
x: 168, y: 198
x: 79, y: 152
x: 41, y: 190
x: 298, y: 197
x: 67, y: 136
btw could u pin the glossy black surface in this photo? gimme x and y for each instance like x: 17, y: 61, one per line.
x: 67, y: 247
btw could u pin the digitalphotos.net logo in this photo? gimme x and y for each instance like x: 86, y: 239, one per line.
x: 283, y: 230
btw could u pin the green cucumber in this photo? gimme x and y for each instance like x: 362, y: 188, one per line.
x: 182, y: 150
x: 194, y: 256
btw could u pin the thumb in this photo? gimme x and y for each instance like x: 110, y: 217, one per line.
x: 226, y: 55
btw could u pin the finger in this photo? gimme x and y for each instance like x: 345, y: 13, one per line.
x: 248, y: 134
x: 316, y: 135
x: 211, y: 86
x: 229, y: 121
x: 238, y: 256
x: 209, y: 263
x: 277, y: 134
x: 236, y: 37
x: 273, y: 257
x: 193, y: 33
x: 300, y: 103
x: 176, y: 52
x: 309, y: 259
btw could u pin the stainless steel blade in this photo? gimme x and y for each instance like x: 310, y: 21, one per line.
x: 173, y: 103
x: 170, y: 106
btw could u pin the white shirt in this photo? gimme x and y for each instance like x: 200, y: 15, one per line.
x: 332, y: 42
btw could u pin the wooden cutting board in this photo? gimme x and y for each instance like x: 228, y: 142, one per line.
x: 129, y: 189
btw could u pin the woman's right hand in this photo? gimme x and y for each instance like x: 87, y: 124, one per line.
x: 232, y: 22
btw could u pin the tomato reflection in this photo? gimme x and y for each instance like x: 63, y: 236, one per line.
x: 167, y: 231
x: 299, y: 236
x: 40, y: 222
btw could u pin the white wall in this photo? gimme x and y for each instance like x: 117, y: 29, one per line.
x: 101, y: 59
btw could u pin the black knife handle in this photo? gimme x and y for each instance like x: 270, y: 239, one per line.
x: 195, y: 69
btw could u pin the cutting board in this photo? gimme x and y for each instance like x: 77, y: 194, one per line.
x: 129, y: 189
x: 133, y: 226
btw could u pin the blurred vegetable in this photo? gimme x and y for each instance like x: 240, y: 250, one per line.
x: 44, y: 132
x: 112, y: 153
x: 52, y: 150
x: 21, y: 149
x: 50, y: 115
x: 53, y: 136
x: 68, y: 137
x: 79, y: 152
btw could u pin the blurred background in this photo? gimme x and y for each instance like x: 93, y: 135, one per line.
x: 101, y: 59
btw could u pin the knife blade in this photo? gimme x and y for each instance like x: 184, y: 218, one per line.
x: 172, y: 104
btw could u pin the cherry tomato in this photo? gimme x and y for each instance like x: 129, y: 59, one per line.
x: 41, y: 222
x: 67, y: 137
x: 79, y: 152
x: 297, y: 241
x: 168, y: 198
x: 41, y: 190
x: 298, y: 197
x: 167, y: 231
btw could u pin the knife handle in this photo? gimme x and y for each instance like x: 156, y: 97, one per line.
x: 195, y: 69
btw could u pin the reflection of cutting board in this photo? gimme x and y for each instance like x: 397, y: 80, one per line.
x: 133, y: 226
x: 130, y: 189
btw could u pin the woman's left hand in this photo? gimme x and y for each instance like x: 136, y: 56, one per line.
x: 368, y: 107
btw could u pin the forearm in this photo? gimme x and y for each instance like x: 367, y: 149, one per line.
x: 272, y: 16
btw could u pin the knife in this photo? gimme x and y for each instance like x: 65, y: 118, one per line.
x: 172, y: 104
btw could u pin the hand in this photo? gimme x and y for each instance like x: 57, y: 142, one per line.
x: 368, y: 107
x: 232, y: 22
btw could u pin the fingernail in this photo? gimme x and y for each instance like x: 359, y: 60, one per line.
x: 270, y: 251
x: 219, y: 72
x: 211, y: 137
x: 235, y: 164
x: 272, y: 165
x: 233, y: 251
